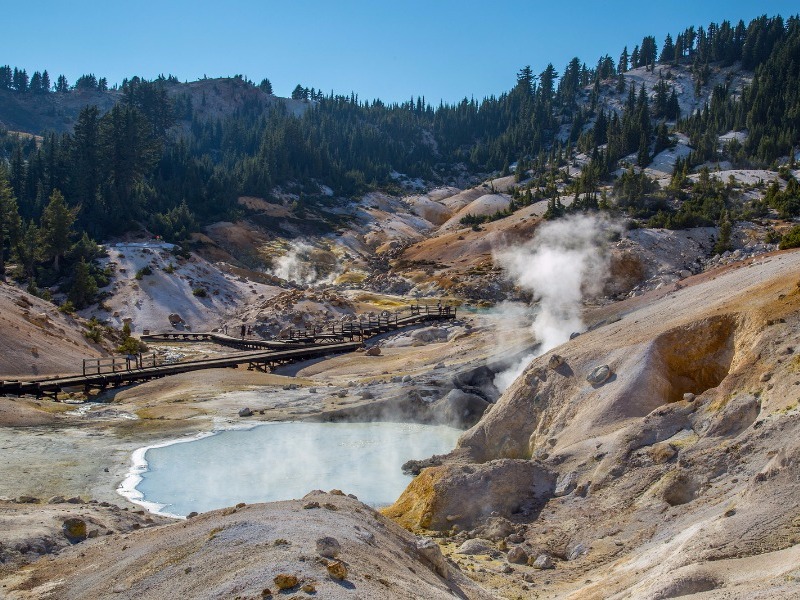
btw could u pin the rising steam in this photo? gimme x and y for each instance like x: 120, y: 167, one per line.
x: 560, y: 265
x: 307, y: 265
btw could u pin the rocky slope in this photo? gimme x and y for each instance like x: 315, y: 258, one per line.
x: 673, y: 471
x: 325, y: 545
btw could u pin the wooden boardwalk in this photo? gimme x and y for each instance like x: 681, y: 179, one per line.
x: 266, y: 354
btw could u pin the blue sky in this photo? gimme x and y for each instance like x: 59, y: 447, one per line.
x: 441, y: 49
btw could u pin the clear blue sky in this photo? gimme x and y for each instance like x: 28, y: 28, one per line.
x: 440, y: 49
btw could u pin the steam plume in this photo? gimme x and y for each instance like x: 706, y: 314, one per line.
x: 559, y: 266
x: 305, y: 264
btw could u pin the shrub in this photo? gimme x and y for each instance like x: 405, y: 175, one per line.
x: 200, y: 292
x: 67, y: 308
x: 791, y: 239
x: 142, y: 272
x: 170, y: 268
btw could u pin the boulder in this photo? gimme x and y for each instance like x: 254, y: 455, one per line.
x: 337, y: 570
x: 543, y: 561
x: 555, y: 361
x: 245, y: 412
x: 565, y: 484
x: 459, y: 409
x: 74, y: 529
x: 328, y: 547
x: 373, y: 351
x: 430, y: 551
x: 599, y: 375
x: 476, y: 546
x: 517, y: 556
x: 175, y: 319
x: 284, y: 581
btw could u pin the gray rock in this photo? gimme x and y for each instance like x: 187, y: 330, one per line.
x: 56, y: 500
x: 476, y: 546
x: 577, y: 551
x: 566, y: 483
x: 689, y: 397
x: 328, y: 547
x: 245, y: 412
x: 517, y: 556
x: 599, y: 375
x: 543, y: 561
x: 555, y: 361
x: 431, y: 552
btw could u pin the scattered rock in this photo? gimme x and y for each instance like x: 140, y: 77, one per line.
x: 27, y: 500
x: 517, y: 556
x: 689, y: 397
x: 284, y: 581
x: 543, y: 561
x: 433, y: 554
x: 566, y: 483
x: 308, y: 505
x: 328, y: 547
x: 599, y: 375
x: 309, y: 588
x: 577, y: 551
x: 373, y: 351
x: 337, y: 570
x: 175, y: 319
x: 476, y: 546
x: 74, y: 529
x: 555, y: 361
x: 245, y: 412
x: 56, y: 500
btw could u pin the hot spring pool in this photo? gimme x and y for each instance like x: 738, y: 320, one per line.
x: 281, y: 461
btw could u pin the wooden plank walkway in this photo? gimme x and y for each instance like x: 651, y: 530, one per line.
x: 268, y: 354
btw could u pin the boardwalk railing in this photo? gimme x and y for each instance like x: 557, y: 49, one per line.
x: 114, y: 364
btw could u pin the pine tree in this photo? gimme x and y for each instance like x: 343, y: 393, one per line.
x: 265, y: 86
x: 27, y: 249
x: 9, y: 222
x: 56, y: 227
x: 84, y: 286
x: 623, y: 61
x: 62, y: 85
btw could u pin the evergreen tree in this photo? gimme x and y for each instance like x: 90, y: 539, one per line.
x: 45, y: 82
x: 62, y: 85
x: 56, y: 228
x: 27, y: 249
x: 83, y: 290
x: 265, y: 86
x: 9, y: 222
x: 623, y: 61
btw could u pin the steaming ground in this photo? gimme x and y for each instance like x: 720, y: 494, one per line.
x: 564, y: 263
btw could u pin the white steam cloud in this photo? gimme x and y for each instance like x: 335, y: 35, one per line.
x: 560, y: 265
x: 307, y: 265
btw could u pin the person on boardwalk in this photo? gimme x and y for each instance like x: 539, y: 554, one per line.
x: 244, y: 330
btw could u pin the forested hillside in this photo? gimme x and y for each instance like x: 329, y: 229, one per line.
x: 154, y: 154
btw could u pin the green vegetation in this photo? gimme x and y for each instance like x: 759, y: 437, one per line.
x: 155, y: 161
x: 791, y: 239
x: 140, y: 274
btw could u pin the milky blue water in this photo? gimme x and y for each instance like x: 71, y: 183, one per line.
x: 282, y: 461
